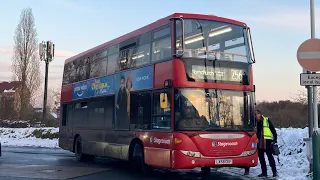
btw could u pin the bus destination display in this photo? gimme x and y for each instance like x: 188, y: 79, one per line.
x: 200, y: 73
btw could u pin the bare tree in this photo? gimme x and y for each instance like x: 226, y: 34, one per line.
x: 25, y: 62
x: 302, y: 97
x: 285, y: 113
x: 54, y: 100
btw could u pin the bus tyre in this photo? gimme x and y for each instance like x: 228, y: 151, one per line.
x: 78, y: 151
x: 137, y: 160
x: 205, y: 171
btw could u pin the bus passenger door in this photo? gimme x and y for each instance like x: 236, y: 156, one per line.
x: 69, y: 128
x: 63, y: 137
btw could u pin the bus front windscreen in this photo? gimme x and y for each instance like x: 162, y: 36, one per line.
x: 213, y: 109
x: 205, y: 39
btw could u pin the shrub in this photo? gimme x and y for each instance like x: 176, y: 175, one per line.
x: 45, y: 134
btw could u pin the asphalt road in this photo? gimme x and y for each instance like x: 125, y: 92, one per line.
x: 43, y: 163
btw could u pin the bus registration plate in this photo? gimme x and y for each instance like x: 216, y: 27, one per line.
x: 223, y: 161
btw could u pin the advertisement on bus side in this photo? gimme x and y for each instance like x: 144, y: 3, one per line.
x: 101, y: 86
x: 80, y: 90
x: 125, y: 82
x: 131, y: 80
x: 94, y: 87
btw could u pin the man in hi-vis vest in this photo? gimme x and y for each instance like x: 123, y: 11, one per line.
x: 267, y: 135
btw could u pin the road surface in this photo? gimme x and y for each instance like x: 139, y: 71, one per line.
x: 43, y: 163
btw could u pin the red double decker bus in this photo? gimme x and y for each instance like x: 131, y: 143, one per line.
x: 177, y: 94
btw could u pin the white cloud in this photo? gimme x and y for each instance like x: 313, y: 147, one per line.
x: 6, y: 51
x: 63, y: 54
x: 57, y: 53
x: 5, y: 67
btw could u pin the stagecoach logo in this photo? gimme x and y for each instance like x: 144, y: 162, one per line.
x: 214, y: 143
x: 224, y: 144
x: 159, y: 141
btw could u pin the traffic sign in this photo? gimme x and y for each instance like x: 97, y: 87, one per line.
x: 308, y: 55
x: 309, y: 79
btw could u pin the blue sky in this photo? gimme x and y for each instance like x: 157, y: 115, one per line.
x: 277, y: 28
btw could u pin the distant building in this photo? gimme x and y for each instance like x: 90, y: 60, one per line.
x: 9, y: 95
x: 51, y: 115
x: 58, y: 113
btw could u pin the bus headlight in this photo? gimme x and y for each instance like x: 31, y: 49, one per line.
x: 248, y: 153
x: 191, y: 153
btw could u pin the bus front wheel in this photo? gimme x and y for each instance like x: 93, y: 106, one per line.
x: 137, y: 159
x: 78, y: 151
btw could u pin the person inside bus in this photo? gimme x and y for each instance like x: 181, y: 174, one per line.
x: 122, y: 101
x: 267, y: 136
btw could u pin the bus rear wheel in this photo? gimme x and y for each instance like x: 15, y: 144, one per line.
x: 137, y: 160
x: 78, y: 151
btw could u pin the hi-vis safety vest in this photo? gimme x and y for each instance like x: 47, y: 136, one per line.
x: 266, y: 130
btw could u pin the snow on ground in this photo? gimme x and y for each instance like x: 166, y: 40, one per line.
x: 23, y: 137
x: 293, y: 164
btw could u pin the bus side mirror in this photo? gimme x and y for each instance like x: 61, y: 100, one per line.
x: 164, y: 101
x: 168, y: 83
x: 245, y: 80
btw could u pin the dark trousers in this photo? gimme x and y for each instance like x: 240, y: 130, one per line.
x: 271, y: 160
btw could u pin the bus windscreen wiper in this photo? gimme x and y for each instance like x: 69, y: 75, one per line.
x: 212, y: 128
x: 245, y: 131
x: 217, y: 129
x: 222, y: 129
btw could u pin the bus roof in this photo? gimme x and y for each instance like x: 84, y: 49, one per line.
x: 150, y: 27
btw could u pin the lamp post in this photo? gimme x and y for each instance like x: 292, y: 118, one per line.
x: 46, y: 52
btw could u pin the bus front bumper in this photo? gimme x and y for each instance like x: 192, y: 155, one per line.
x: 181, y: 161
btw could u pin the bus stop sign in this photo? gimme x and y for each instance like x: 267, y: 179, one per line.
x: 308, y: 55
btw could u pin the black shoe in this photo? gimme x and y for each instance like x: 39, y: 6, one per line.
x: 275, y: 174
x: 246, y: 171
x: 263, y: 175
